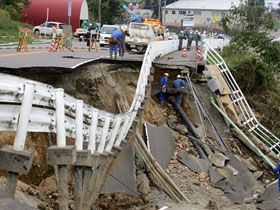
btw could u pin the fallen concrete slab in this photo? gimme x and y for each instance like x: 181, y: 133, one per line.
x: 161, y: 143
x: 194, y: 163
x: 123, y: 177
x: 269, y: 200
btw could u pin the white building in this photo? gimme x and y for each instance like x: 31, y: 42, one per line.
x: 203, y: 12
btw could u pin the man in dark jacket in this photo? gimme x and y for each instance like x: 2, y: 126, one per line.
x: 178, y: 85
x: 164, y: 88
x: 122, y: 40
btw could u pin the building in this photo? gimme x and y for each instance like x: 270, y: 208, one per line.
x: 36, y: 12
x: 196, y: 12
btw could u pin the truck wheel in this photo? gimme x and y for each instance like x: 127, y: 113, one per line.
x: 101, y: 45
x: 80, y: 39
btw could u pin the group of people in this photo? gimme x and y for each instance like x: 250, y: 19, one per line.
x: 191, y: 37
x: 117, y: 41
x: 178, y: 86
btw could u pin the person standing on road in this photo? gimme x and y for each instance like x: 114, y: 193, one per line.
x: 197, y: 38
x: 190, y: 39
x: 178, y: 85
x: 114, y: 42
x: 277, y: 170
x: 122, y: 40
x: 181, y: 37
x: 164, y: 88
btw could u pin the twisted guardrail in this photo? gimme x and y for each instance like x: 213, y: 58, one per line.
x: 250, y: 122
x: 28, y: 106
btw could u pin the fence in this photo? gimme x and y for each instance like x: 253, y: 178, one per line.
x: 250, y: 123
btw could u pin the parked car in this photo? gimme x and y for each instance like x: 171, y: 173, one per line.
x: 47, y: 28
x: 105, y: 33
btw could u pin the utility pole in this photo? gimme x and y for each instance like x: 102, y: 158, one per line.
x: 99, y: 11
x: 164, y: 19
x: 159, y: 9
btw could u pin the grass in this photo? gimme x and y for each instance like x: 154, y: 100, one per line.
x: 9, y: 29
x: 276, y: 24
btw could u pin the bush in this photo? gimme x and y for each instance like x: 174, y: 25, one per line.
x: 251, y: 72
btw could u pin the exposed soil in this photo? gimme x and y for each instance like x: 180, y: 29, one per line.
x: 114, y: 91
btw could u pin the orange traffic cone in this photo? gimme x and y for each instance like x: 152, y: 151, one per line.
x: 52, y: 48
x: 198, y: 54
x: 184, y: 53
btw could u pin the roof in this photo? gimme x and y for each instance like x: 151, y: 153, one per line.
x: 35, y: 13
x: 203, y: 4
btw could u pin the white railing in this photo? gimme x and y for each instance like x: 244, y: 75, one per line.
x: 54, y: 111
x: 250, y: 123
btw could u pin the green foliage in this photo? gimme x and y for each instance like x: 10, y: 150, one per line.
x: 251, y: 72
x: 111, y: 11
x: 246, y: 17
x: 9, y: 27
x: 13, y: 7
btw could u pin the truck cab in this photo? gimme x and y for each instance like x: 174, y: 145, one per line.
x: 141, y: 34
x: 105, y: 33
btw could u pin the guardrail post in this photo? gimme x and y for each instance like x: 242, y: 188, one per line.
x: 61, y: 155
x: 15, y: 159
x: 83, y: 157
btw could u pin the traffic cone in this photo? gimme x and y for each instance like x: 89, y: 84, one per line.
x: 198, y: 54
x: 52, y: 48
x: 184, y: 53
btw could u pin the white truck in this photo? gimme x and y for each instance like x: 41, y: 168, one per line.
x: 105, y: 33
x: 141, y: 34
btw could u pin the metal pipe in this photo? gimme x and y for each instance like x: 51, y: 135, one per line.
x: 191, y: 129
x: 79, y: 125
x: 259, y: 152
x: 24, y: 115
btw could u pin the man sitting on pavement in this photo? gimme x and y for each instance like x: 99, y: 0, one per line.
x: 178, y: 85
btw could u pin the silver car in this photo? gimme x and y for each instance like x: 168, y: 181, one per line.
x: 47, y: 28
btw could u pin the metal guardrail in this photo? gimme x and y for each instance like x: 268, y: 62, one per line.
x: 101, y: 129
x: 250, y: 122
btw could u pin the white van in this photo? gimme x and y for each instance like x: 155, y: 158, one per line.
x: 141, y: 34
x: 105, y: 33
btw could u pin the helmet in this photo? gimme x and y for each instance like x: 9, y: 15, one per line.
x: 178, y: 76
x: 196, y: 31
x: 166, y: 74
x: 123, y: 27
x: 181, y: 32
x: 90, y: 24
x: 167, y: 29
x: 204, y: 32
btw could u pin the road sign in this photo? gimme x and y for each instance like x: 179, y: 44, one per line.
x: 214, y: 19
x: 69, y: 8
x: 188, y: 20
x: 208, y: 19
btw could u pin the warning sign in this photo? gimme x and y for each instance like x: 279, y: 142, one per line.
x: 214, y: 19
x: 188, y: 20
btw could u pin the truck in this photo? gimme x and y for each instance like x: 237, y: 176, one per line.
x: 81, y: 33
x: 105, y: 33
x: 141, y: 34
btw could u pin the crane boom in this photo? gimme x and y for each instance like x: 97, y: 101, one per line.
x: 132, y: 14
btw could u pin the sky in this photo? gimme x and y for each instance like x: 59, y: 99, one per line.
x: 274, y: 3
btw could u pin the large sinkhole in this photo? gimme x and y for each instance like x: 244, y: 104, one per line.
x: 109, y: 87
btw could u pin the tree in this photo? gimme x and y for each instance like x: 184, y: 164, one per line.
x: 111, y: 13
x: 13, y: 7
x: 248, y: 27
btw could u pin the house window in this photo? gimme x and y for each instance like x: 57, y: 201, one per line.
x: 197, y: 12
x: 166, y: 12
x: 173, y: 12
x: 182, y: 12
x: 216, y: 13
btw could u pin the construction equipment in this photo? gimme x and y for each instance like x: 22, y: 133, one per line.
x: 134, y: 17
